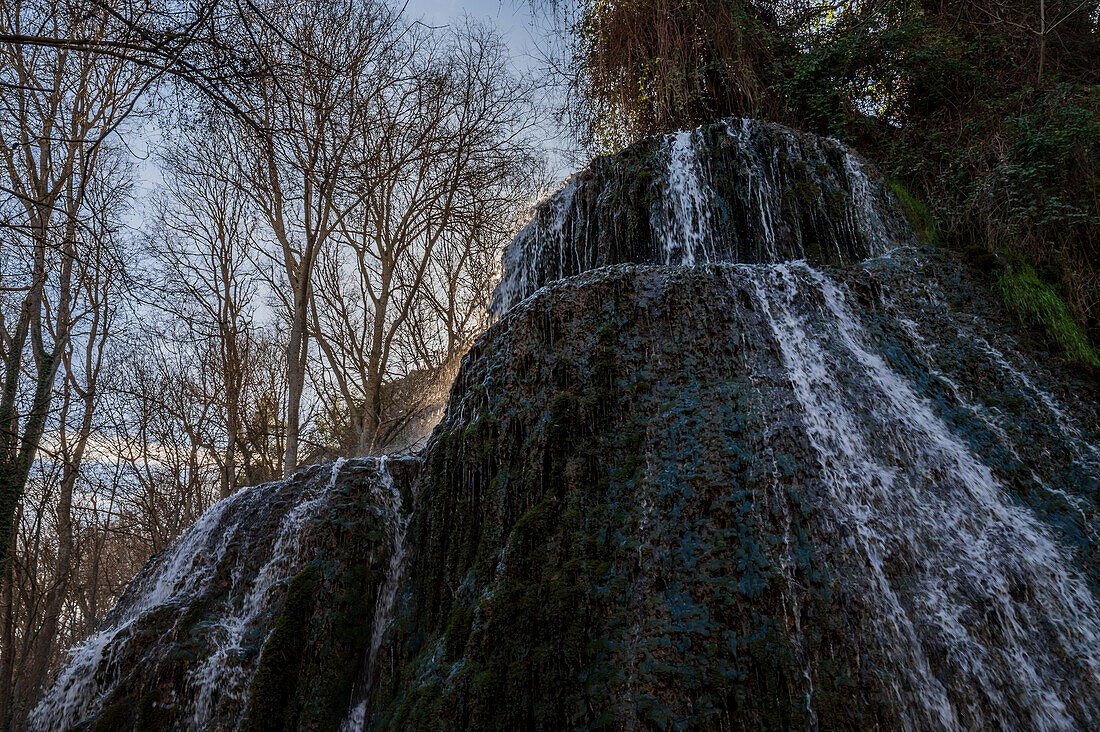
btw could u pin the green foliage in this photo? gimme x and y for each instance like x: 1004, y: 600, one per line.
x: 1039, y: 303
x: 993, y: 125
x: 1051, y: 170
x: 920, y: 218
x: 1003, y: 155
x: 654, y: 66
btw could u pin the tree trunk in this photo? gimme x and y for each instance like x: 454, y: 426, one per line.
x: 7, y: 648
x: 229, y: 474
x: 14, y: 473
x: 34, y: 675
x: 295, y: 380
x: 372, y: 416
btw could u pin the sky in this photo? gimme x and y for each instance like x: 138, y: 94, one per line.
x: 512, y: 17
x: 529, y: 40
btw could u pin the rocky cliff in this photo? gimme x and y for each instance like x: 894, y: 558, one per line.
x: 734, y: 454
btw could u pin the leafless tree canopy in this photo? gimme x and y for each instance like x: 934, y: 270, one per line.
x: 290, y: 274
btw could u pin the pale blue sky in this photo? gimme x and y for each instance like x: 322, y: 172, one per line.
x: 529, y: 40
x: 524, y: 34
x: 513, y: 18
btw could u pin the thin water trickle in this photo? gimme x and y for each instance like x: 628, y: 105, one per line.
x: 390, y: 496
x: 685, y: 227
x: 548, y: 241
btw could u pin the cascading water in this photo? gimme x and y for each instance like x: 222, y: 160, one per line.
x: 736, y: 191
x: 687, y: 230
x: 990, y: 625
x: 949, y: 494
x: 218, y: 675
x: 977, y: 608
x: 175, y: 577
x: 235, y: 563
x: 736, y: 453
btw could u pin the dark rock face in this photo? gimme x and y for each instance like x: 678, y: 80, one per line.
x: 739, y: 190
x: 845, y: 492
x: 741, y: 496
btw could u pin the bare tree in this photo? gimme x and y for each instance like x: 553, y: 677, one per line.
x: 160, y: 436
x: 359, y: 172
x: 441, y: 162
x: 308, y: 105
x: 56, y: 110
x: 101, y: 283
x: 201, y: 254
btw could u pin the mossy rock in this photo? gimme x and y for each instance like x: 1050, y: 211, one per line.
x: 626, y: 545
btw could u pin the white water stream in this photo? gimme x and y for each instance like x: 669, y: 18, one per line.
x: 389, y: 495
x: 180, y: 577
x: 985, y: 605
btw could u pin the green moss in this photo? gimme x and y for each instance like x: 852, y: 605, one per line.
x: 150, y: 717
x: 273, y: 686
x: 605, y: 363
x: 479, y: 438
x: 349, y: 570
x: 340, y: 632
x: 562, y: 410
x: 812, y: 247
x: 982, y: 259
x: 1038, y: 302
x: 115, y: 717
x: 920, y: 218
x: 458, y: 631
x: 808, y: 191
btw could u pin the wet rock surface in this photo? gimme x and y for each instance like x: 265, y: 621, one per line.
x: 261, y: 612
x: 739, y: 190
x: 755, y: 495
x: 827, y: 484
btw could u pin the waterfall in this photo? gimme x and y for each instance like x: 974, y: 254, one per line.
x: 978, y: 610
x: 729, y: 404
x: 237, y: 558
x: 218, y: 676
x: 175, y: 577
x: 554, y: 230
x: 989, y: 625
x: 685, y: 226
x: 734, y: 191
